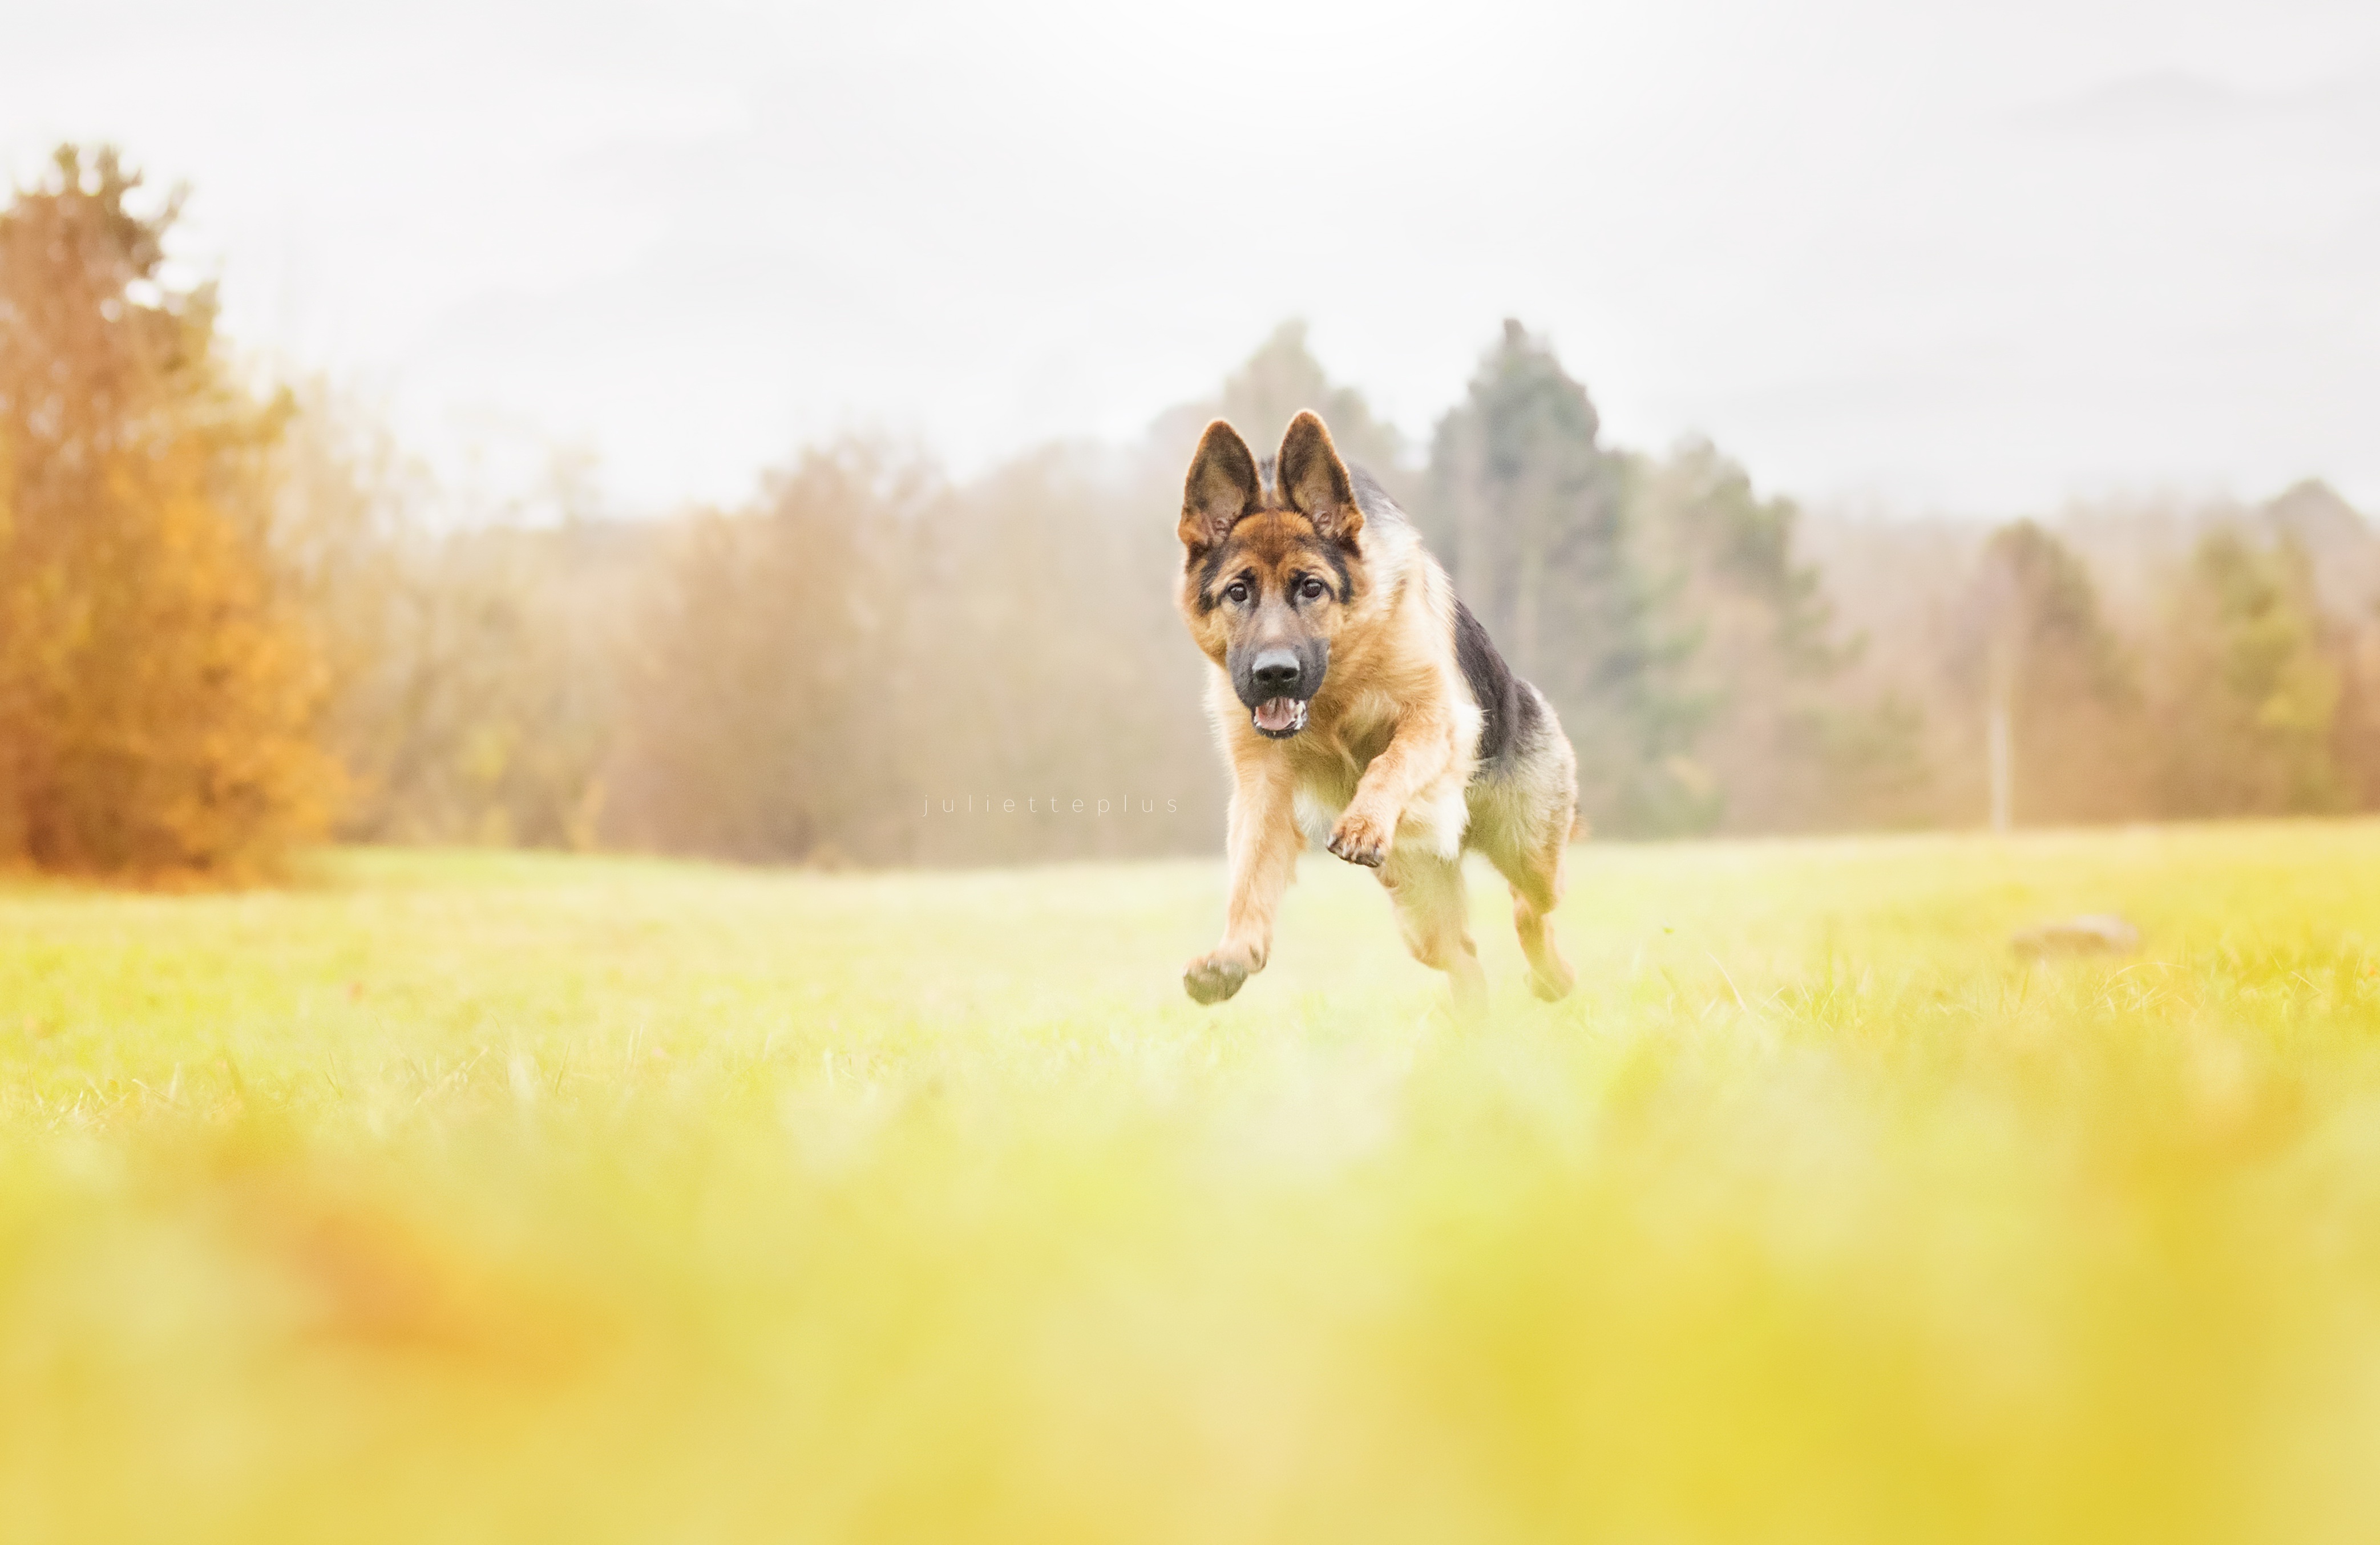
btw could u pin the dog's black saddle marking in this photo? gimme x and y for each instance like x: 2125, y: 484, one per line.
x: 1510, y: 708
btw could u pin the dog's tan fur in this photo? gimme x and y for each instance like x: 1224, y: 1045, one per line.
x: 1387, y: 770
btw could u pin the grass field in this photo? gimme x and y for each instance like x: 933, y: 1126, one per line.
x: 467, y: 1196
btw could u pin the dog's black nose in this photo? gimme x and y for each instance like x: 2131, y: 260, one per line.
x: 1276, y: 671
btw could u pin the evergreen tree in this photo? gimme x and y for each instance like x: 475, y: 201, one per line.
x: 1784, y: 744
x: 1272, y: 386
x: 1525, y: 507
x: 2248, y: 699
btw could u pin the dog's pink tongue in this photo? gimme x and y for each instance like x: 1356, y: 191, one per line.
x: 1276, y: 715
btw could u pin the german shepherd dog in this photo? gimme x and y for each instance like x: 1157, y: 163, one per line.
x: 1360, y: 704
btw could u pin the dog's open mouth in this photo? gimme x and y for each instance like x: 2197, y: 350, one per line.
x: 1281, y: 717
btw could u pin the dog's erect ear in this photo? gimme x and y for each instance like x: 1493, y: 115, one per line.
x: 1314, y: 480
x: 1222, y: 487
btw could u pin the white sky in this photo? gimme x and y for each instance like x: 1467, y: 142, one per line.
x: 1966, y: 258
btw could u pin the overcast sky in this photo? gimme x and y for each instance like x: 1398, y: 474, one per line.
x: 1978, y: 259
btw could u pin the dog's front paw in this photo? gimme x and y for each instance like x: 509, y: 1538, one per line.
x: 1211, y: 979
x: 1361, y: 840
x: 1551, y: 983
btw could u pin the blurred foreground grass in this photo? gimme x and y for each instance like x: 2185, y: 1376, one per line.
x: 467, y: 1196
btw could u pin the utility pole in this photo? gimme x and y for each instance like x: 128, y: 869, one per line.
x: 2003, y: 666
x: 1996, y: 748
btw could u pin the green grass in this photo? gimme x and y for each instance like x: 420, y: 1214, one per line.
x: 482, y: 1196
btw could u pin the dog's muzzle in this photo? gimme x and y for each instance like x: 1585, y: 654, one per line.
x: 1278, y: 692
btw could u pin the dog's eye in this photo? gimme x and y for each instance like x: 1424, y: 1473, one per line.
x: 1237, y: 592
x: 1311, y: 589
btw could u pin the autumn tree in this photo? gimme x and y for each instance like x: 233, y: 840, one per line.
x: 2047, y: 682
x: 158, y: 682
x: 811, y: 671
x: 475, y: 664
x: 2343, y: 556
x: 766, y: 694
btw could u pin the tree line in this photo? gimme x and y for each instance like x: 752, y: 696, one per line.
x: 238, y: 617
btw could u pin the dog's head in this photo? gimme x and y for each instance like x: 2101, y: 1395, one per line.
x: 1271, y: 566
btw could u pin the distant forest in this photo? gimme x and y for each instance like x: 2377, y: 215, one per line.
x: 231, y: 620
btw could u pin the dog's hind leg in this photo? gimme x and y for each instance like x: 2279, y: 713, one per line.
x: 1535, y: 872
x: 1432, y: 912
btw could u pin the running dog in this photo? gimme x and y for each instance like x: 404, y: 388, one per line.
x: 1360, y: 704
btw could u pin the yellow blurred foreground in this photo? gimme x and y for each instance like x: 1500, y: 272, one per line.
x: 467, y: 1197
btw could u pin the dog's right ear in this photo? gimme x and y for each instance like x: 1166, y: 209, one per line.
x: 1222, y: 487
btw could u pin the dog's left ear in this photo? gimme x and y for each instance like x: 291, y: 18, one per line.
x: 1314, y: 480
